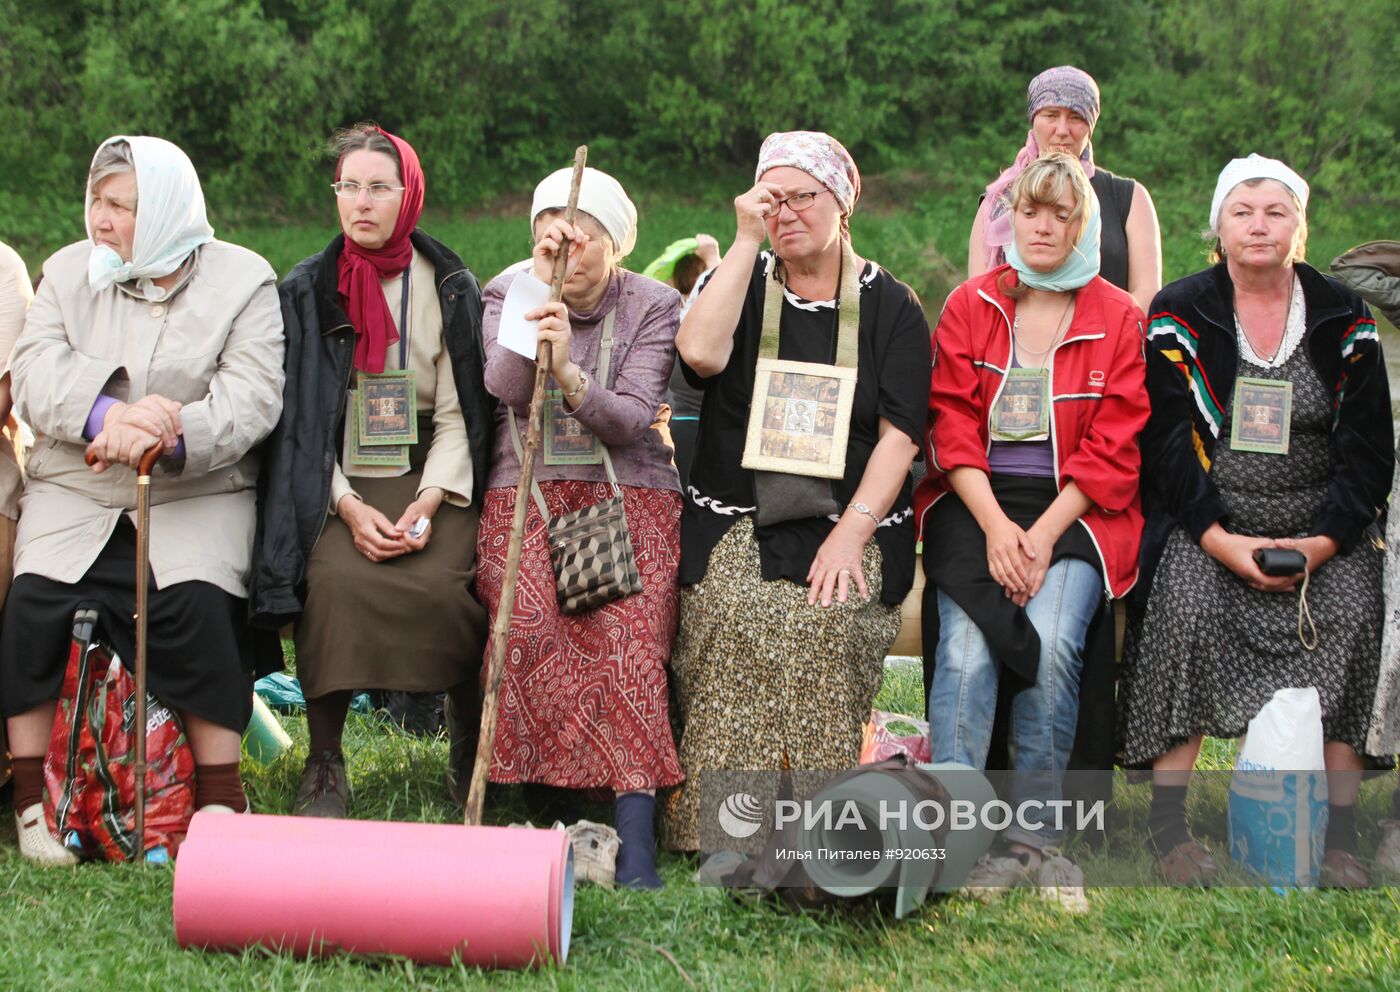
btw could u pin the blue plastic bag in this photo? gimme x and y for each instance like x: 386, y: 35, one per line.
x: 283, y: 693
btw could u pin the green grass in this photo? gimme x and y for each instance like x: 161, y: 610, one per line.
x: 109, y: 927
x: 101, y: 927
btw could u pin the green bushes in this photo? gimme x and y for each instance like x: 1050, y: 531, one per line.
x: 678, y: 95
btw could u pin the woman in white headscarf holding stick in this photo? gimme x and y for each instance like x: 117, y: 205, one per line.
x: 583, y: 700
x: 149, y: 332
x: 798, y: 536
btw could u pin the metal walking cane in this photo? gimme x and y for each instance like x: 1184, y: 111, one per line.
x: 143, y: 572
x: 495, y: 666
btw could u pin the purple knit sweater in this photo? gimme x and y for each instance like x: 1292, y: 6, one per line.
x: 643, y: 354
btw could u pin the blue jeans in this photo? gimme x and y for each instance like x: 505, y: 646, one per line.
x: 1044, y: 716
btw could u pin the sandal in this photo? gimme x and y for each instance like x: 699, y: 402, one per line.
x: 36, y: 844
x: 1061, y: 882
x: 1343, y: 870
x: 1188, y: 864
x: 991, y: 878
x: 595, y: 852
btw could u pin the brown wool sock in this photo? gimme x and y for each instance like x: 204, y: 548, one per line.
x: 219, y: 785
x: 29, y: 782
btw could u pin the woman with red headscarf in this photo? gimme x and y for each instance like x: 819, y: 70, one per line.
x: 375, y: 474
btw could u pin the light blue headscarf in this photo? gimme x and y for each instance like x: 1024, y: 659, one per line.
x: 170, y: 218
x: 1077, y: 270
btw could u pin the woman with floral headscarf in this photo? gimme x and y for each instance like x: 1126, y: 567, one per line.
x: 376, y: 472
x: 797, y: 541
x: 148, y: 333
x: 1063, y: 106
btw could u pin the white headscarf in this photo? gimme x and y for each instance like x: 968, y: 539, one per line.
x: 1255, y: 167
x: 600, y: 195
x: 170, y: 219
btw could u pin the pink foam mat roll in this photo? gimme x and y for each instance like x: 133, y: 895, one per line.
x: 497, y: 897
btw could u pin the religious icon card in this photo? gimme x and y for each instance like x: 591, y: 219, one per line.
x: 800, y: 418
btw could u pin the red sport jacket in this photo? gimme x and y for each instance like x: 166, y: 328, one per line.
x: 1099, y: 407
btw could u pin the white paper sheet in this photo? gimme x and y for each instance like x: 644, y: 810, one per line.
x: 526, y: 293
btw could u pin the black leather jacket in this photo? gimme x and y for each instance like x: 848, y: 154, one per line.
x: 299, y: 458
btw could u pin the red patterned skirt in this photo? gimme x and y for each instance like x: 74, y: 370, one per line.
x: 583, y: 699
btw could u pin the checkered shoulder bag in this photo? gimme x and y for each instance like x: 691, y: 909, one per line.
x: 592, y: 555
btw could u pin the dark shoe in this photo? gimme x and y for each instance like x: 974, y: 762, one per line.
x: 462, y: 733
x: 635, y: 815
x: 416, y: 713
x: 1342, y: 870
x: 1188, y: 864
x: 324, y: 789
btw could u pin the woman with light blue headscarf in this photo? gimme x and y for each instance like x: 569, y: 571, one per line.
x: 147, y: 333
x: 1030, y: 512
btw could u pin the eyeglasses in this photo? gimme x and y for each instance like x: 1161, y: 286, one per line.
x: 798, y: 202
x: 347, y: 190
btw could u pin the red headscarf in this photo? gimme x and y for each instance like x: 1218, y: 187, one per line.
x: 360, y: 269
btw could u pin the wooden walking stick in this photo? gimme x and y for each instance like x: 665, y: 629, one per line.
x: 143, y: 574
x: 495, y: 666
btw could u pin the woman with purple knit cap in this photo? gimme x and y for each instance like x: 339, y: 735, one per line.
x: 1063, y: 106
x: 797, y: 542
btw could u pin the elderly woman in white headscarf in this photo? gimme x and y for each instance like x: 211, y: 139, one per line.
x: 149, y: 333
x: 798, y: 533
x: 1266, y: 460
x: 584, y: 697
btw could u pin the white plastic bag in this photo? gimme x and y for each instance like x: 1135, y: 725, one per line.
x: 1278, y: 793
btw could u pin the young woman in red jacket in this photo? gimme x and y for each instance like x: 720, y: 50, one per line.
x: 1030, y: 513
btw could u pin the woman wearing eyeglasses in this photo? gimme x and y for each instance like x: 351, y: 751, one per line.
x: 374, y: 476
x: 797, y: 540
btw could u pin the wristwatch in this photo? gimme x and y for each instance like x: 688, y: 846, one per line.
x: 862, y: 508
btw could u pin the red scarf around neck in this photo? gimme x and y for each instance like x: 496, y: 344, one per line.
x: 361, y: 269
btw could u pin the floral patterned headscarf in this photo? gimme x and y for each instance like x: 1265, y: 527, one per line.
x: 820, y: 156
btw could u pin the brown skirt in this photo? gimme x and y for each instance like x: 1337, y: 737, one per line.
x: 411, y: 623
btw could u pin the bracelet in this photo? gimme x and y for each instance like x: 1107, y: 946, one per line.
x: 862, y: 508
x: 582, y: 381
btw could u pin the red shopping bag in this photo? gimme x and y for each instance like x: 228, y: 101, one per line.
x: 90, y: 792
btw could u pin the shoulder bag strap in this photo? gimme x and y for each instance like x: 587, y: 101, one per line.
x: 847, y: 313
x: 520, y: 458
x: 604, y: 360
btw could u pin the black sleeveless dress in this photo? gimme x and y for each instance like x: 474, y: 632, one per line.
x: 1115, y: 195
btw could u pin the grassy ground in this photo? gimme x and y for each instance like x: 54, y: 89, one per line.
x: 100, y: 927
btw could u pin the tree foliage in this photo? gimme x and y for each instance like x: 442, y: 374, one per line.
x: 494, y: 93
